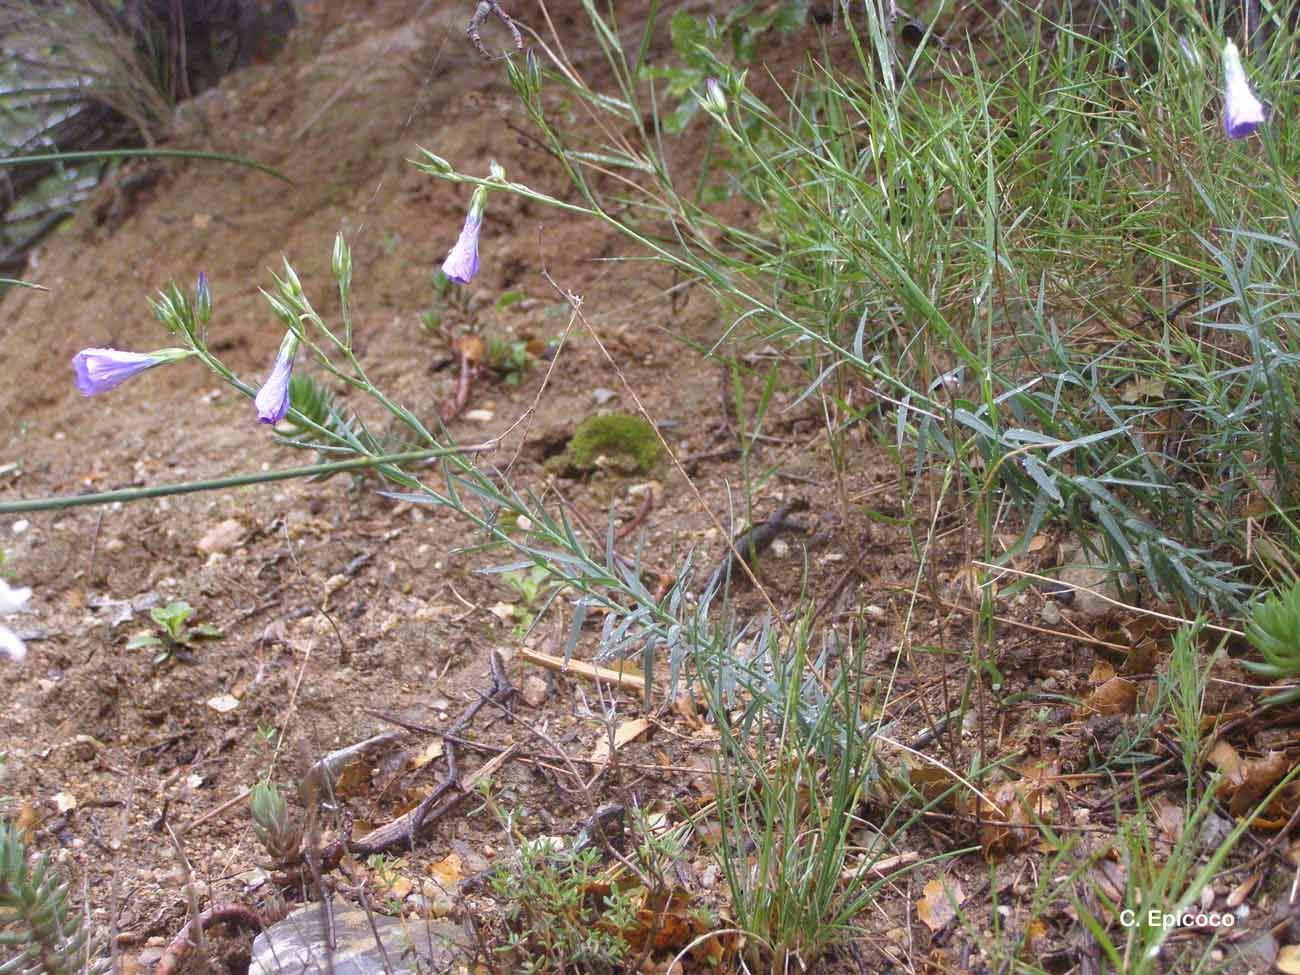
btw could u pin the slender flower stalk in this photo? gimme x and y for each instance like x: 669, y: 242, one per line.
x: 462, y: 263
x: 272, y: 400
x: 1242, y: 111
x: 12, y: 600
x: 99, y: 370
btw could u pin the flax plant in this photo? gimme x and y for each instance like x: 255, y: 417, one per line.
x: 307, y: 417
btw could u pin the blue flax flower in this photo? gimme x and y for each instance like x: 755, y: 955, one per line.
x: 99, y: 370
x: 1242, y: 111
x: 272, y: 400
x: 462, y: 263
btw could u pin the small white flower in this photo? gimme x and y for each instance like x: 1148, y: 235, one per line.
x: 12, y: 600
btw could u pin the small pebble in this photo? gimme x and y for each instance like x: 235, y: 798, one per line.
x: 221, y: 537
x: 83, y: 747
x: 223, y: 703
x: 535, y: 691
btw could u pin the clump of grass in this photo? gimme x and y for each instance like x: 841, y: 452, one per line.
x: 932, y: 228
x: 796, y: 761
x: 86, y: 45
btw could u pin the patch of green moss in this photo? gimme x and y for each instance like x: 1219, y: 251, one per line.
x: 618, y: 437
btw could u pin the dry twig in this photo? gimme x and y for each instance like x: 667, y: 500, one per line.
x: 179, y: 949
x: 626, y: 678
x: 404, y: 830
x: 486, y: 9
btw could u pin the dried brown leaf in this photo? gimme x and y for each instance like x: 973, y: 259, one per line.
x: 427, y: 754
x: 1116, y: 696
x: 447, y: 872
x: 1257, y: 777
x: 1288, y: 960
x: 627, y: 731
x: 938, y: 904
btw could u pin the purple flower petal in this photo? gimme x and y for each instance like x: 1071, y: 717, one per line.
x: 99, y: 370
x: 272, y: 400
x: 1242, y: 111
x: 462, y: 263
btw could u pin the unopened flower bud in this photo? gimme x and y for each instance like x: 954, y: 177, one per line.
x: 436, y: 163
x: 341, y: 262
x: 292, y: 286
x: 714, y: 100
x: 203, y: 300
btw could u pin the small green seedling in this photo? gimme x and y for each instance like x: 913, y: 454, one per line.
x: 531, y: 585
x: 174, y: 638
x: 509, y: 358
x: 447, y: 299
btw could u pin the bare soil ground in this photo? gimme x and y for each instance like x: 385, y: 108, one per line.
x: 339, y: 606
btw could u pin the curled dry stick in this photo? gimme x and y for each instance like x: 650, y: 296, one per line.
x: 179, y: 949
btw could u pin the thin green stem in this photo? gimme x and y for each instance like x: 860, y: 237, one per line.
x: 140, y: 153
x: 217, y: 484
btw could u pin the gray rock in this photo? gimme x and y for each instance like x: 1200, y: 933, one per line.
x: 411, y: 946
x: 1090, y: 582
x: 1214, y: 832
